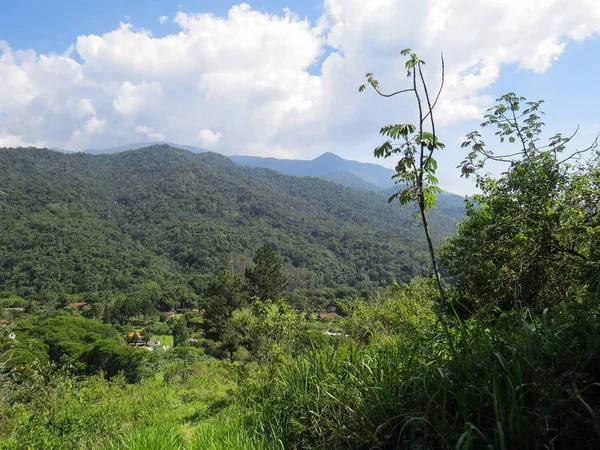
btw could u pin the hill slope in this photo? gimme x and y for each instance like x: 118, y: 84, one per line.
x: 79, y: 222
x: 319, y: 167
x: 138, y: 145
x: 327, y: 166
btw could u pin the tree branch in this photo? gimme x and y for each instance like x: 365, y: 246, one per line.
x: 393, y: 93
x: 437, y: 97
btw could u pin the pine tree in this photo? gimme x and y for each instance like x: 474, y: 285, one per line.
x: 266, y: 280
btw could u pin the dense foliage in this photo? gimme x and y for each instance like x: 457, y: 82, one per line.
x: 531, y: 236
x: 81, y: 223
x: 510, y: 361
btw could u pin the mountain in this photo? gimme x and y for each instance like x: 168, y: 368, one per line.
x: 138, y: 145
x: 349, y: 179
x: 323, y: 166
x: 327, y: 166
x: 74, y: 223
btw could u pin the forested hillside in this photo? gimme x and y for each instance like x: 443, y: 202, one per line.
x: 84, y: 223
x: 328, y: 166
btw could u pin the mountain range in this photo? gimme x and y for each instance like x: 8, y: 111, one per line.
x: 327, y: 166
x: 73, y: 223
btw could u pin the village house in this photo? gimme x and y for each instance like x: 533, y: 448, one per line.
x: 78, y: 305
x: 136, y: 338
x: 327, y: 315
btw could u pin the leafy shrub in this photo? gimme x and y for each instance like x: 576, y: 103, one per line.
x: 518, y: 381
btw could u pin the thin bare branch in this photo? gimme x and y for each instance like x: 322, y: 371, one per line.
x: 430, y: 114
x: 591, y: 147
x: 437, y: 97
x: 393, y: 93
x: 562, y: 142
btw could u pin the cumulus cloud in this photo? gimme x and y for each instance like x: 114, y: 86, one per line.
x: 163, y: 19
x: 86, y: 107
x: 277, y: 85
x: 209, y: 138
x: 131, y: 97
x: 149, y: 133
x: 10, y: 140
x: 94, y: 126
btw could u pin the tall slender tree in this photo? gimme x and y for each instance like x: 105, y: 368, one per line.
x: 416, y: 145
x: 266, y: 280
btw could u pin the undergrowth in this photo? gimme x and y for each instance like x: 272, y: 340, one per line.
x: 512, y: 381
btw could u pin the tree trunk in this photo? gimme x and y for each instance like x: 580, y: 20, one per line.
x: 434, y: 263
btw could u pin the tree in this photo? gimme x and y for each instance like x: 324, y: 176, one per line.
x: 180, y: 332
x: 532, y: 235
x: 415, y: 170
x: 221, y: 296
x: 265, y: 328
x: 266, y: 280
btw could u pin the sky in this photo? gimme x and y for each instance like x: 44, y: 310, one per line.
x: 280, y: 78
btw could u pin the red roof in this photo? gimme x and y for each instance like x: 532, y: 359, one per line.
x: 330, y: 314
x: 135, y: 333
x: 77, y: 304
x: 4, y: 321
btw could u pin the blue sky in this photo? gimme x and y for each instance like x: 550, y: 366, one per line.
x: 52, y: 26
x: 250, y: 80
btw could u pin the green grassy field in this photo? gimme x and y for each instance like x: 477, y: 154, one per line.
x: 165, y: 339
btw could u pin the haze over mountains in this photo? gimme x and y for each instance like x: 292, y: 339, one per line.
x: 327, y: 166
x: 136, y: 145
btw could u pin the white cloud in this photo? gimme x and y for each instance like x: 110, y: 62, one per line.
x: 132, y: 97
x: 94, y: 126
x: 149, y: 132
x: 163, y: 19
x: 86, y: 107
x: 209, y: 138
x: 252, y: 75
x: 11, y: 140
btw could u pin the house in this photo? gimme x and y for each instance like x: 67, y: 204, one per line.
x: 153, y: 343
x: 136, y: 338
x: 4, y: 322
x: 170, y: 315
x: 329, y: 333
x: 78, y: 305
x: 327, y: 315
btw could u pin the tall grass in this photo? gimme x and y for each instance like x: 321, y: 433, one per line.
x: 233, y: 431
x: 514, y: 382
x: 162, y: 437
x: 227, y: 431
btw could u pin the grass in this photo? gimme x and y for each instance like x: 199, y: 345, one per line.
x: 153, y: 438
x: 89, y: 412
x: 165, y: 339
x: 516, y: 381
x: 223, y: 432
x: 511, y: 381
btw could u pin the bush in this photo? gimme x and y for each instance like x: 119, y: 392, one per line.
x: 404, y: 311
x: 158, y: 328
x: 528, y: 382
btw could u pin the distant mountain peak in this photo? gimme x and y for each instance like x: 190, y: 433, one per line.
x: 347, y: 172
x: 138, y: 145
x: 329, y: 156
x: 328, y: 165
